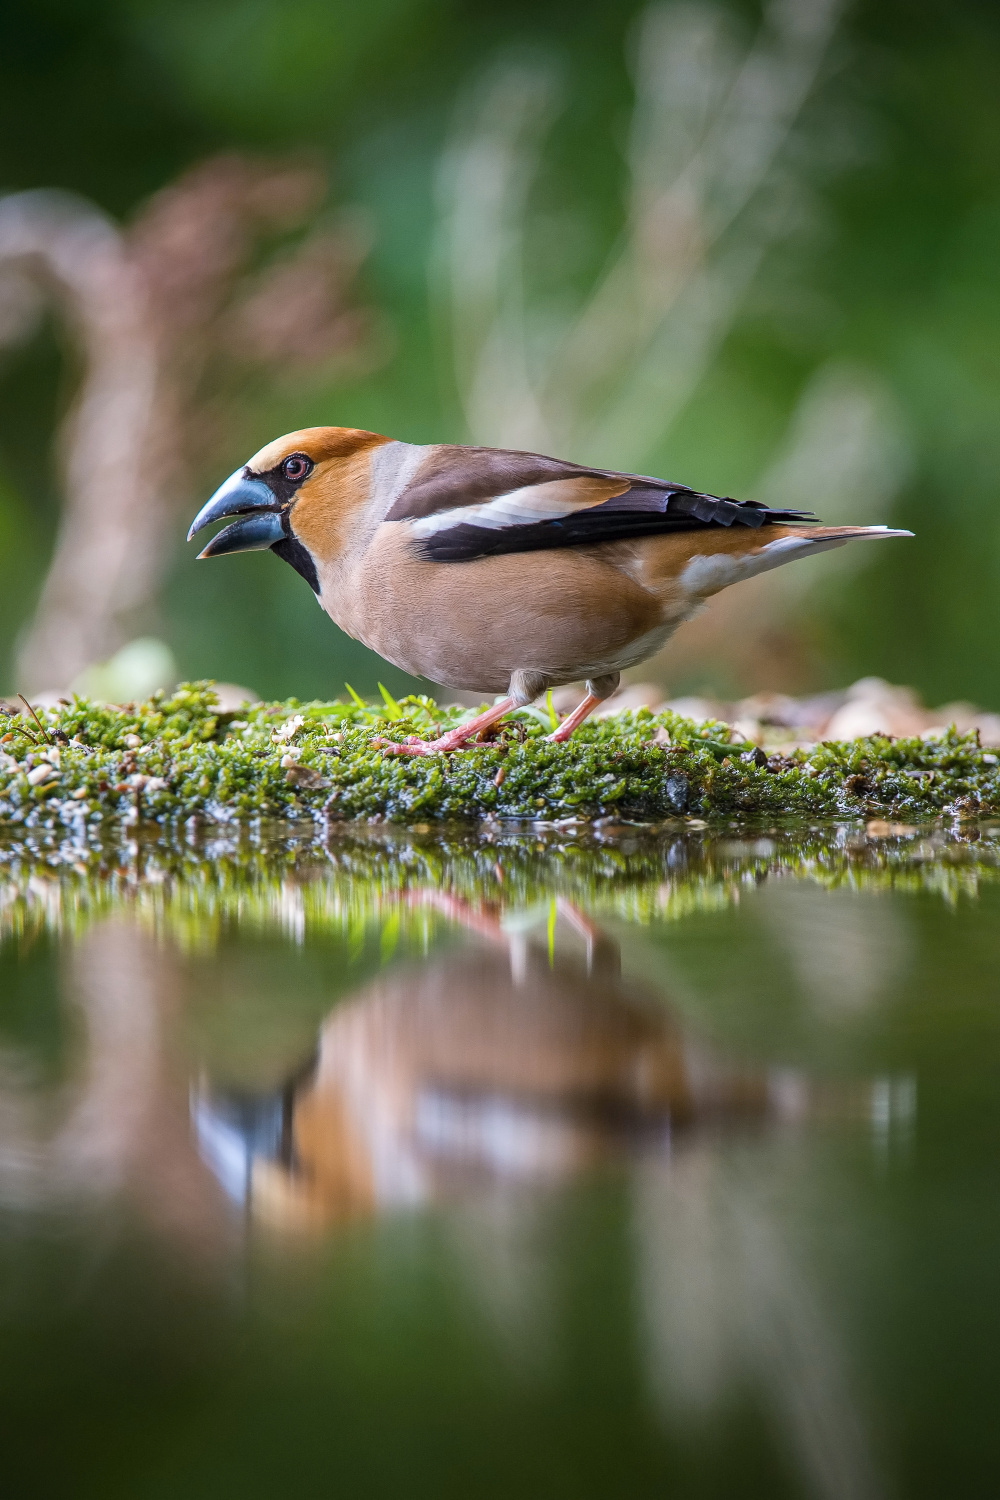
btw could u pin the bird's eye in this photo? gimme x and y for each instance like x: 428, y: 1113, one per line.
x: 296, y: 467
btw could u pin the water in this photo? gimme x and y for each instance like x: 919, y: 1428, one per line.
x: 553, y: 1163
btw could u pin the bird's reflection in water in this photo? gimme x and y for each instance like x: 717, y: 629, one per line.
x: 522, y: 1056
x: 517, y: 1053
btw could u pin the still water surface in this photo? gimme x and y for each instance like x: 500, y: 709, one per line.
x: 559, y: 1163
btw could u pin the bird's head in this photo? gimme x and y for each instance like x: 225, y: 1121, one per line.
x: 295, y: 497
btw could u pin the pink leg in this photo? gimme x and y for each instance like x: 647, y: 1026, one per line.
x: 575, y: 719
x: 455, y: 739
x: 457, y: 910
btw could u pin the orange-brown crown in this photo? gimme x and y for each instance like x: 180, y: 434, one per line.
x: 320, y: 443
x: 328, y: 502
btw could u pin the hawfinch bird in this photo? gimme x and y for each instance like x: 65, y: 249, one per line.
x: 494, y: 570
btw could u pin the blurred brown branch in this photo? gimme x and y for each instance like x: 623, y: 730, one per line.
x: 228, y: 278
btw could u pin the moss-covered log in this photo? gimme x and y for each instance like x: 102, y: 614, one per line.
x: 177, y: 756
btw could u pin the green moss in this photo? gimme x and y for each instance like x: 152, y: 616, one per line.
x: 177, y: 756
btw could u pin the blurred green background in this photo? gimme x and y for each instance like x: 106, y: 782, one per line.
x: 789, y: 221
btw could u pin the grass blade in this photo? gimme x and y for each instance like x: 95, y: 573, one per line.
x: 553, y: 716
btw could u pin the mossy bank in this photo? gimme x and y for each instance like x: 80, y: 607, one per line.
x: 177, y: 756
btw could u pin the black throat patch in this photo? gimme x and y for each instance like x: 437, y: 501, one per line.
x: 292, y: 551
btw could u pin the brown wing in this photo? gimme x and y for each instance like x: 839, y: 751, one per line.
x: 475, y: 502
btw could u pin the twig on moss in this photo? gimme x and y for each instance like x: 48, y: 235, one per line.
x: 47, y: 737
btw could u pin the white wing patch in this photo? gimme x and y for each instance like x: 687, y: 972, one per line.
x: 523, y: 507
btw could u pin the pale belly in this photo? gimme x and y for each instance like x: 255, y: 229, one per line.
x: 556, y: 616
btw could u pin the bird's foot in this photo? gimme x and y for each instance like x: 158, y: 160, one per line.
x: 413, y: 745
x: 456, y: 739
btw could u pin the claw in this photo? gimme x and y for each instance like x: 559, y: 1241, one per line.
x: 455, y: 739
x: 413, y: 746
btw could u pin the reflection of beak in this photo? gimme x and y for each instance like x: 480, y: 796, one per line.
x: 241, y: 495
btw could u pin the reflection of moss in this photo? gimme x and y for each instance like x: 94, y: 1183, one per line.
x: 347, y: 885
x: 177, y: 756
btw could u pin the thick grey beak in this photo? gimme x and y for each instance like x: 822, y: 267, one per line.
x: 241, y: 495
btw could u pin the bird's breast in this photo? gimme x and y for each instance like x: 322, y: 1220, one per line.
x: 472, y: 624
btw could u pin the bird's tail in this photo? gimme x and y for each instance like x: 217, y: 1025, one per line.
x: 840, y: 533
x: 794, y: 542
